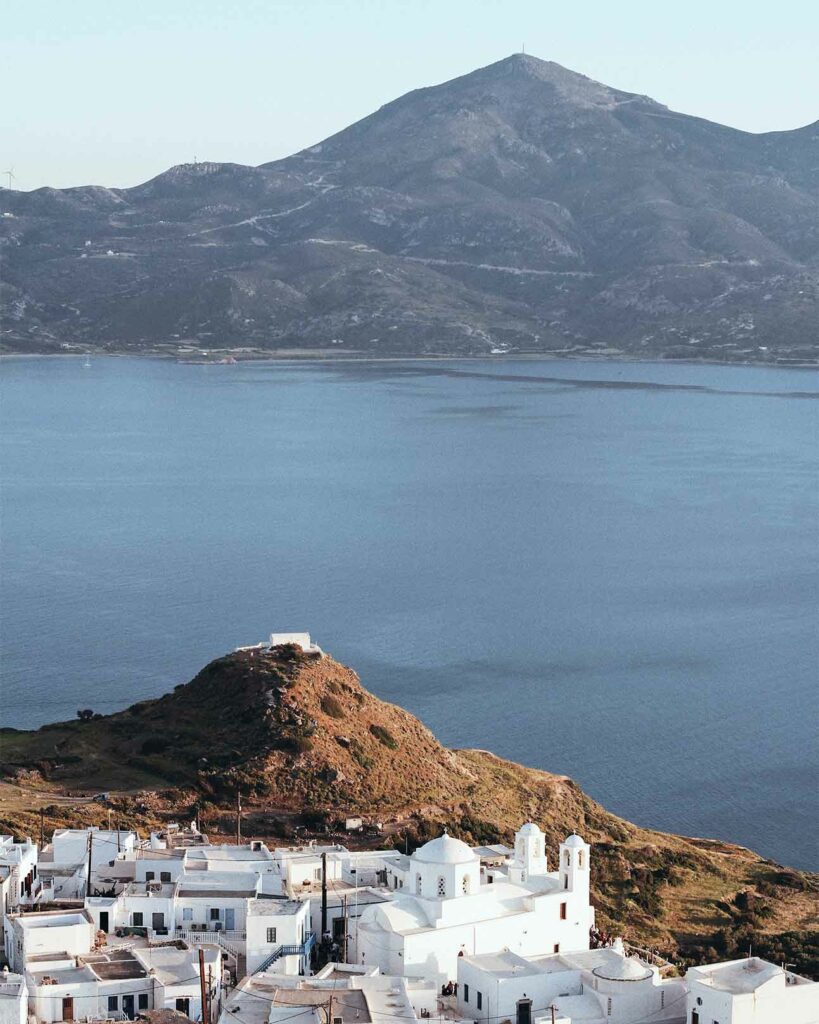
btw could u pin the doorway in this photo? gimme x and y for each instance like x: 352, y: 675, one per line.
x: 128, y: 1007
x: 68, y: 1008
x: 157, y: 921
x: 104, y: 921
x: 184, y: 1006
x: 230, y: 919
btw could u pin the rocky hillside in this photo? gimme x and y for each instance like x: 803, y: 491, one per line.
x: 522, y: 207
x: 302, y: 741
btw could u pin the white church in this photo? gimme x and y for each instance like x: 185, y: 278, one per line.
x: 447, y: 908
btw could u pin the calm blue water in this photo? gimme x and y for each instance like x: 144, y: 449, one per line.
x: 618, y: 583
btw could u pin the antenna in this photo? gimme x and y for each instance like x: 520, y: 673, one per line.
x: 10, y: 175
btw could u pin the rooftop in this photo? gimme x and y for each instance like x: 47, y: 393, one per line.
x: 53, y: 918
x: 742, y: 976
x: 117, y: 965
x: 275, y: 908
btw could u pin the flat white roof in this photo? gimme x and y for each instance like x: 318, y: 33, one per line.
x: 53, y: 918
x: 740, y: 976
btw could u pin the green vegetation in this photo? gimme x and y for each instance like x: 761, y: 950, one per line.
x: 384, y: 736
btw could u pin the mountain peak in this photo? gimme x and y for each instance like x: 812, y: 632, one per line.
x: 568, y: 85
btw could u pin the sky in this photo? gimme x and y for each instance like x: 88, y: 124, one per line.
x: 113, y: 92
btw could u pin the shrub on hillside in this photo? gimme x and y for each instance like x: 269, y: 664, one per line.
x: 384, y: 736
x: 330, y: 706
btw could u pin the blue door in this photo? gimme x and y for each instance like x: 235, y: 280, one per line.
x: 230, y: 919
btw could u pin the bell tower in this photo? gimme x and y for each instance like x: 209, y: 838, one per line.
x: 574, y: 866
x: 530, y: 854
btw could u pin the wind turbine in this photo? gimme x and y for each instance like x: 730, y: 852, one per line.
x: 10, y: 175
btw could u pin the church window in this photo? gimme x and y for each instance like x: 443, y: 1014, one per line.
x: 417, y: 885
x: 480, y: 1000
x: 441, y: 885
x: 563, y: 907
x: 465, y: 885
x: 557, y: 947
x: 580, y: 859
x: 567, y: 858
x: 565, y: 881
x: 466, y: 993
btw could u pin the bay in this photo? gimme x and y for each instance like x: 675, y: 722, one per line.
x: 607, y: 570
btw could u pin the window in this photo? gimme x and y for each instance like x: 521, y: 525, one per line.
x: 567, y: 858
x: 557, y: 947
x: 466, y: 993
x: 580, y: 859
x: 113, y: 1002
x: 480, y: 1000
x: 164, y: 876
x: 271, y: 934
x: 214, y: 913
x: 187, y: 913
x: 149, y: 876
x: 563, y: 907
x: 566, y: 882
x: 441, y: 885
x: 417, y: 885
x: 143, y: 1001
x: 136, y: 919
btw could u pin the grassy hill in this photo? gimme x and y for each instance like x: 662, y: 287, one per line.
x: 302, y: 741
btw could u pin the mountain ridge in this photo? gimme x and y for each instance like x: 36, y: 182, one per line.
x: 522, y: 208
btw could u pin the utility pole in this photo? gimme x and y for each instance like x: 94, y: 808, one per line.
x: 323, y: 895
x: 210, y: 992
x: 239, y: 819
x: 202, y: 984
x: 344, y: 931
x: 552, y: 1008
x: 88, y: 880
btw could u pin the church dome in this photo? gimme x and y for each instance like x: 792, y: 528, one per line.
x: 529, y: 829
x: 444, y: 850
x: 574, y: 841
x: 623, y: 969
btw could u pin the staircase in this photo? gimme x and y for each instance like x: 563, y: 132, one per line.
x: 280, y: 951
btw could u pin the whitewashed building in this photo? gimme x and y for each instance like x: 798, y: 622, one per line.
x: 445, y: 911
x: 595, y: 986
x: 750, y: 991
x: 45, y: 933
x: 13, y: 998
x: 120, y: 983
x: 278, y: 933
x: 341, y: 993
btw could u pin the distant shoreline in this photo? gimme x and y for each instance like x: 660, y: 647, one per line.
x: 224, y: 357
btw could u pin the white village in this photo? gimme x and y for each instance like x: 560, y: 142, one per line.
x: 102, y: 925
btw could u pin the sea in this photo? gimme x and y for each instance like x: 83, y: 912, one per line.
x: 603, y: 569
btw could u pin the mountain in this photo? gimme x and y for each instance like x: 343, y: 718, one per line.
x: 522, y: 207
x: 302, y: 741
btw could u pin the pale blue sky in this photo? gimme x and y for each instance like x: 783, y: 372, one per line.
x: 112, y: 92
